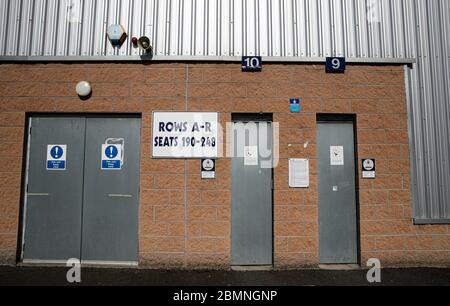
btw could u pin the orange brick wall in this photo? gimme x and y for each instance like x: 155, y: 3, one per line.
x: 186, y: 222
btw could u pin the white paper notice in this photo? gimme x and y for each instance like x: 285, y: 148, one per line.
x: 251, y: 156
x: 298, y: 173
x: 336, y: 156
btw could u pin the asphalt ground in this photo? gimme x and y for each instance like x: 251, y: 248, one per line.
x: 56, y: 276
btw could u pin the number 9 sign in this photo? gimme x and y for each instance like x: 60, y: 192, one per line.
x: 335, y: 65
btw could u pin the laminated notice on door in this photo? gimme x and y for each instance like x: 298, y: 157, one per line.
x: 336, y: 155
x: 251, y: 156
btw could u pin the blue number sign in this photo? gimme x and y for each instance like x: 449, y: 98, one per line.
x: 251, y: 63
x: 335, y: 64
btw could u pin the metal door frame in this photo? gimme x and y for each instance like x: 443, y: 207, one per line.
x: 24, y: 182
x: 255, y: 117
x: 349, y: 118
x: 23, y: 190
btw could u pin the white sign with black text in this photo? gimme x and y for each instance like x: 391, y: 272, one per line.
x: 251, y: 156
x: 185, y: 135
x: 368, y: 168
x: 208, y: 169
x: 298, y: 173
x: 336, y: 155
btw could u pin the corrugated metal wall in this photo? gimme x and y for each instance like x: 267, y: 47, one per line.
x: 291, y: 30
x: 429, y: 109
x: 306, y: 28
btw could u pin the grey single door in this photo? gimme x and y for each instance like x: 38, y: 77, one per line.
x: 111, y: 197
x: 53, y: 198
x: 252, y: 221
x: 337, y: 194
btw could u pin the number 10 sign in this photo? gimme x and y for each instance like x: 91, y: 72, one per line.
x: 335, y: 65
x: 251, y: 63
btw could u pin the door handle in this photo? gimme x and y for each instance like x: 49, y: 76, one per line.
x: 111, y: 195
x: 34, y: 194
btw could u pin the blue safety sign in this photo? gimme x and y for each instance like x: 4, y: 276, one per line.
x: 112, y: 158
x: 56, y: 157
x: 295, y: 105
x: 111, y: 151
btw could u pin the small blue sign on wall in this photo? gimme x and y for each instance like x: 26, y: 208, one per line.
x: 335, y: 64
x: 295, y: 105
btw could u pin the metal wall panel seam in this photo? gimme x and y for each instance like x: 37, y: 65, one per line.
x: 430, y: 115
x: 19, y: 28
x: 443, y: 152
x: 4, y: 21
x: 445, y: 34
x: 411, y: 128
x: 30, y: 28
x: 420, y: 138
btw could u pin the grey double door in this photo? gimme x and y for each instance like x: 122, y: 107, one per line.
x: 252, y: 184
x: 337, y: 193
x: 81, y: 211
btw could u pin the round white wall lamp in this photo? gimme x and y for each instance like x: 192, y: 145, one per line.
x: 84, y: 89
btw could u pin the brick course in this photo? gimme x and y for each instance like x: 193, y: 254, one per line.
x: 185, y: 221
